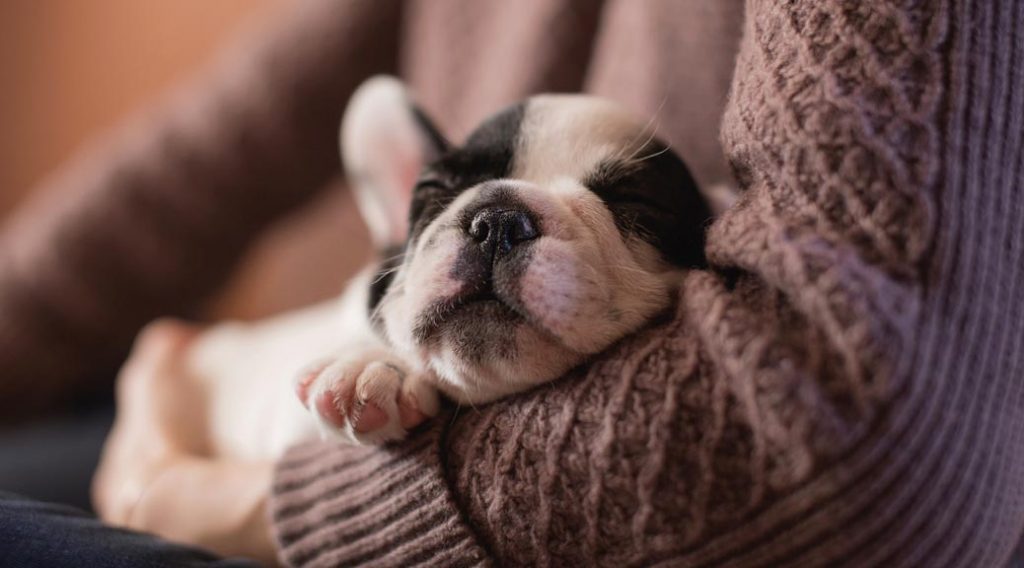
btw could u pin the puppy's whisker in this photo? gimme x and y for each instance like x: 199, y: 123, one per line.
x: 397, y: 257
x: 649, y: 130
x: 632, y: 159
x: 393, y: 257
x: 455, y: 414
x: 376, y: 313
x: 654, y: 155
x: 385, y: 273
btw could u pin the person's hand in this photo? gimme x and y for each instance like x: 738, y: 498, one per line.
x: 152, y: 397
x: 154, y: 474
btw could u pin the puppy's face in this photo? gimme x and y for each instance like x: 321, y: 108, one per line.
x: 557, y: 228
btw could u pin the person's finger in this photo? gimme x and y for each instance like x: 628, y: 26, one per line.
x: 150, y: 396
x: 164, y: 338
x: 155, y: 354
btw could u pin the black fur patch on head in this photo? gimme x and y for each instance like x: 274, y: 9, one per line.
x: 438, y: 143
x: 487, y: 154
x: 654, y: 198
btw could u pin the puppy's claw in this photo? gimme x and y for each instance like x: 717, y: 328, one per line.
x: 302, y: 385
x: 304, y: 380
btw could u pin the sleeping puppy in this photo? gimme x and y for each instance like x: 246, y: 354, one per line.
x: 558, y: 227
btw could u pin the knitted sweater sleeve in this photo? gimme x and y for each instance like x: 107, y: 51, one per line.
x: 153, y: 221
x: 841, y: 388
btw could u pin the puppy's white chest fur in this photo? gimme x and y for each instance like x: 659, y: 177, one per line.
x: 247, y: 370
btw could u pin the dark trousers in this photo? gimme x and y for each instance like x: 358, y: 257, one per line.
x: 53, y: 459
x: 34, y: 533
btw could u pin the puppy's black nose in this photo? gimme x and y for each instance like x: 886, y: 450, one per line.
x: 499, y: 230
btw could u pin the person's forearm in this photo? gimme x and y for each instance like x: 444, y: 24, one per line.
x: 219, y: 505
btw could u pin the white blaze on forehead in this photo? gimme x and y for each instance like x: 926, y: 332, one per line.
x: 569, y: 135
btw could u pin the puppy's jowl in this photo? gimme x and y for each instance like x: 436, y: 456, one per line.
x: 558, y: 227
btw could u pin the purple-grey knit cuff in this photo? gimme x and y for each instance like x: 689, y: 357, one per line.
x: 338, y: 505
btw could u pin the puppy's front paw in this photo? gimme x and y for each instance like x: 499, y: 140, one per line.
x: 367, y: 398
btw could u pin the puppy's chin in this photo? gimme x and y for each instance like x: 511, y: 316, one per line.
x: 473, y: 330
x: 483, y: 346
x: 488, y: 351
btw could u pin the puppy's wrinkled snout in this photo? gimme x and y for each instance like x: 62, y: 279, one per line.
x: 499, y: 230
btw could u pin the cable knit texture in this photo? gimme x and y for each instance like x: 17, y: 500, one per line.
x: 841, y: 388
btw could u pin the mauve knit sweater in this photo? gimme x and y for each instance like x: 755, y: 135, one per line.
x: 843, y: 387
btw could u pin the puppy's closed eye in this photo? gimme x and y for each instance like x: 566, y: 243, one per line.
x: 432, y: 184
x: 632, y: 199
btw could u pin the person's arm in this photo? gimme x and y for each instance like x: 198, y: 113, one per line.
x: 826, y: 394
x: 153, y: 222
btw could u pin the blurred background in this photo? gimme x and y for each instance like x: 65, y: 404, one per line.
x: 72, y: 71
x: 69, y: 71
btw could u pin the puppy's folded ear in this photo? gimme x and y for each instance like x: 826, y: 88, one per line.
x: 385, y: 142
